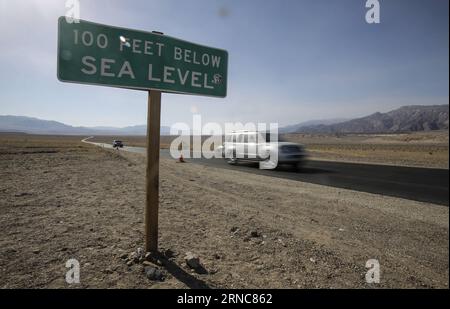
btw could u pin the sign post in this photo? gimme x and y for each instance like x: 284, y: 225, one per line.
x: 91, y: 53
x: 152, y: 173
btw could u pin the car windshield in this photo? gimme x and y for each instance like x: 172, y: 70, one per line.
x: 263, y: 137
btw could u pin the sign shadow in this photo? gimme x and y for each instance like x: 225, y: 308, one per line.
x: 180, y: 274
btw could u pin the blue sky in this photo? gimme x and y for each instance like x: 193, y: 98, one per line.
x: 289, y: 61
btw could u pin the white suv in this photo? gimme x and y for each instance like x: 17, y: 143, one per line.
x: 261, y: 147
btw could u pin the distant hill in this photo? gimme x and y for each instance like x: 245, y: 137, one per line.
x: 38, y: 126
x: 404, y: 119
x: 297, y: 127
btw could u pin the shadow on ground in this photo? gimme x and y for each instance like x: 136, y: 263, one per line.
x: 180, y: 274
x: 289, y: 168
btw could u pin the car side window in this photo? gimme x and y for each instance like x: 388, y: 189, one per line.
x: 261, y: 138
x: 252, y: 138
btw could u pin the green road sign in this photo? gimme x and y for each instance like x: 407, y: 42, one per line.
x: 91, y: 53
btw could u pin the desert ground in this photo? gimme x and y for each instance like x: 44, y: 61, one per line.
x: 63, y: 199
x: 418, y: 149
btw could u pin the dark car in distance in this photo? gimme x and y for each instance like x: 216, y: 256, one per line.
x: 117, y: 144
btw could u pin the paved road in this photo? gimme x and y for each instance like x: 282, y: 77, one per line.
x: 125, y: 148
x: 419, y: 184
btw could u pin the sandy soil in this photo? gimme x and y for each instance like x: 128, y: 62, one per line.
x: 62, y: 199
x: 418, y: 149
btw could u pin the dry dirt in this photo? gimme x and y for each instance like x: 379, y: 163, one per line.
x: 418, y: 149
x: 63, y: 199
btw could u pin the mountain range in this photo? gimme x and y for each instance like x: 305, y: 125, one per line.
x: 404, y: 119
x: 310, y: 123
x: 38, y: 126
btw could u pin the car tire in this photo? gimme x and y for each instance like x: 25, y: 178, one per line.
x: 299, y: 166
x: 233, y: 160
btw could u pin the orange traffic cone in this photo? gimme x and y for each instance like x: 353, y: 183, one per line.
x: 180, y: 148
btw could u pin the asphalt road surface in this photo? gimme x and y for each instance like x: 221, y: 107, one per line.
x: 419, y: 184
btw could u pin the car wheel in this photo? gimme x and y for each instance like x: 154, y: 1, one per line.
x: 232, y: 160
x: 299, y: 166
